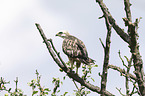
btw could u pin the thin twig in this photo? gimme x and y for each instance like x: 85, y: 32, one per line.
x: 106, y: 57
x: 102, y: 43
x: 122, y: 59
x: 135, y: 87
x: 120, y: 91
x: 127, y: 9
x: 122, y: 71
x: 76, y: 85
x: 16, y: 81
x: 127, y: 76
x: 58, y: 53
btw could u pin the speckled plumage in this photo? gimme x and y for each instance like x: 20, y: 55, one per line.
x: 75, y: 50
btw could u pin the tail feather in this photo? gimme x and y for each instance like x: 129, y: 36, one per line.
x: 91, y: 61
x: 87, y: 61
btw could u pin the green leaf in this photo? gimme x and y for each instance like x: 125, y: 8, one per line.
x: 93, y: 79
x: 6, y: 94
x: 9, y: 89
x: 126, y: 58
x: 58, y: 91
x: 31, y: 84
x: 20, y: 90
x: 60, y: 70
x: 35, y: 92
x: 64, y: 78
x: 65, y: 93
x: 46, y: 93
x: 47, y: 89
x: 95, y: 66
x: 61, y: 83
x: 83, y: 66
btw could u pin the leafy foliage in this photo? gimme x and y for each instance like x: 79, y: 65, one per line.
x: 17, y: 92
x: 38, y: 89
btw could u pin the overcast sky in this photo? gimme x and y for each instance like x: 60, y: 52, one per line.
x: 22, y: 50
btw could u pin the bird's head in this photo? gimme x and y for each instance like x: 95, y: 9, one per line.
x: 62, y: 34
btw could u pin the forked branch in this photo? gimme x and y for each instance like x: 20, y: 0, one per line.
x: 69, y: 72
x: 112, y: 21
x: 106, y: 57
x: 131, y: 38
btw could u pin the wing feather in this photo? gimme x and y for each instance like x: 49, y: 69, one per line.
x: 75, y: 48
x: 82, y: 48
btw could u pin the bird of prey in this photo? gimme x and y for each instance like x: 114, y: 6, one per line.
x: 75, y: 49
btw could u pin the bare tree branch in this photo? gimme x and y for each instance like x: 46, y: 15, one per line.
x: 69, y: 72
x: 131, y: 39
x: 134, y: 87
x: 112, y: 21
x: 122, y: 71
x: 58, y: 53
x: 134, y: 47
x: 127, y: 75
x: 127, y: 9
x: 138, y: 64
x: 106, y: 57
x: 128, y: 69
x: 120, y: 91
x: 50, y: 49
x: 102, y: 43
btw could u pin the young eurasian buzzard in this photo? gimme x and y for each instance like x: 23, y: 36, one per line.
x: 75, y: 50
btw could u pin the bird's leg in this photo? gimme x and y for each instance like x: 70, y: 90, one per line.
x: 77, y: 70
x: 71, y: 62
x: 71, y: 66
x: 78, y: 64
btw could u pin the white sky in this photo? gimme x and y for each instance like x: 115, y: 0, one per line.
x: 22, y: 50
